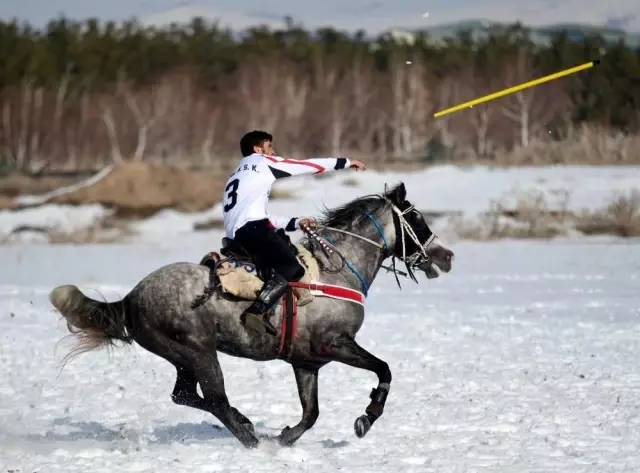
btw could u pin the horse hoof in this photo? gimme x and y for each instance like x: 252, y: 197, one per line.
x: 283, y: 438
x: 252, y: 442
x: 362, y: 426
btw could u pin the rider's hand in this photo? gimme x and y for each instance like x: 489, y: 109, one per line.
x: 357, y: 165
x: 309, y: 222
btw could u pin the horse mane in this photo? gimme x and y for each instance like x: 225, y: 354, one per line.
x: 352, y: 212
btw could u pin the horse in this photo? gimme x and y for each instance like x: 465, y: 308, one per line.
x: 160, y: 313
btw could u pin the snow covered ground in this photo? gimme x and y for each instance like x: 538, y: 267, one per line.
x: 523, y: 359
x: 440, y: 188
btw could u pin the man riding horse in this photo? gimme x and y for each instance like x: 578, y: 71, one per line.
x: 247, y: 222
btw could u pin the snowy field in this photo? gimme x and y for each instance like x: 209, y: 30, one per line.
x: 523, y: 359
x: 468, y: 191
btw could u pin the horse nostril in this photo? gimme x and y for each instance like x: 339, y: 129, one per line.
x: 449, y: 256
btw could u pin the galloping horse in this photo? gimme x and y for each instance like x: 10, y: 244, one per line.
x: 160, y: 314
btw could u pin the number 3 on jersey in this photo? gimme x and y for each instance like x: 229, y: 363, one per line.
x: 231, y: 196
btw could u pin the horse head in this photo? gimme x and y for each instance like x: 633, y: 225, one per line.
x: 414, y: 242
x: 391, y: 222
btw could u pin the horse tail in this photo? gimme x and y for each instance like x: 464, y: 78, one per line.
x: 95, y: 324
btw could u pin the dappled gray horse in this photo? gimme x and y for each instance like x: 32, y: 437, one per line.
x: 349, y: 246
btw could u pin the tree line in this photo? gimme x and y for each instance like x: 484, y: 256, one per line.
x: 78, y: 95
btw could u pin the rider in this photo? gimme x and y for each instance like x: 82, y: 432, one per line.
x: 247, y: 222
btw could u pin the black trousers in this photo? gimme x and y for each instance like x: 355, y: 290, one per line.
x: 269, y: 249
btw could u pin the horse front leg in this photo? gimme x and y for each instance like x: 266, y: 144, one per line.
x: 346, y: 350
x: 307, y: 382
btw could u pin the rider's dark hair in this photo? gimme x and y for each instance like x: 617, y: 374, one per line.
x: 251, y: 139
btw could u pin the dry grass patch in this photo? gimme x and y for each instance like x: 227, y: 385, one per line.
x: 16, y: 184
x: 534, y: 215
x: 211, y: 224
x: 586, y: 144
x: 133, y: 190
x: 529, y: 214
x: 7, y: 203
x: 620, y: 217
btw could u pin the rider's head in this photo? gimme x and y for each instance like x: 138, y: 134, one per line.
x: 256, y: 142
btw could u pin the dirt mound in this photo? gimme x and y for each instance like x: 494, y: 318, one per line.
x: 16, y: 184
x: 7, y: 203
x: 141, y: 189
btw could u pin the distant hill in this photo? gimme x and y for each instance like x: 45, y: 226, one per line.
x: 240, y: 21
x: 539, y: 34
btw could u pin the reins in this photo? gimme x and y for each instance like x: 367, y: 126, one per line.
x: 417, y: 258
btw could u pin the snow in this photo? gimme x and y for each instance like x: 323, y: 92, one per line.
x: 522, y: 359
x: 64, y: 218
x: 468, y: 191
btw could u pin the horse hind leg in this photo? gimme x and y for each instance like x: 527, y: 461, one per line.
x: 209, y: 374
x: 199, y: 361
x: 307, y: 382
x: 185, y: 393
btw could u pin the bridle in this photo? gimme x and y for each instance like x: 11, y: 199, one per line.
x: 417, y: 259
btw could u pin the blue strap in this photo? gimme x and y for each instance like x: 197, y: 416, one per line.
x: 363, y: 283
x: 365, y: 288
x: 373, y: 220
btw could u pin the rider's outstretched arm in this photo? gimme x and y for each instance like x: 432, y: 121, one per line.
x: 286, y: 223
x: 285, y: 167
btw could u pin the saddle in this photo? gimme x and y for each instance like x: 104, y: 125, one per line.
x: 241, y: 277
x: 231, y: 247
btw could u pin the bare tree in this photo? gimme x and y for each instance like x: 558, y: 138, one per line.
x: 147, y: 108
x: 367, y: 120
x: 256, y: 89
x: 410, y: 107
x: 112, y: 131
x: 338, y: 103
x: 482, y: 117
x: 448, y: 93
x: 60, y: 107
x: 295, y: 96
x: 37, y: 162
x: 6, y: 128
x: 531, y: 109
x: 331, y: 114
x: 22, y: 151
x: 481, y: 121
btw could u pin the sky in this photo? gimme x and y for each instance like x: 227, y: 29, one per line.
x: 370, y: 15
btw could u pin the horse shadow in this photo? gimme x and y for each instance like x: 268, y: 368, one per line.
x: 66, y: 430
x: 161, y: 435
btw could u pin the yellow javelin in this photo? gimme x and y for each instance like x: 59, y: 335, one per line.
x: 516, y: 88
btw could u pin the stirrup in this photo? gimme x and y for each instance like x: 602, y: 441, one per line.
x: 260, y: 324
x: 256, y: 316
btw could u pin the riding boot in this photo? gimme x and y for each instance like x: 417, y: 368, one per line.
x: 271, y: 291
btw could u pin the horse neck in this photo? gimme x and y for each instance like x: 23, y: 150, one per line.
x: 361, y: 257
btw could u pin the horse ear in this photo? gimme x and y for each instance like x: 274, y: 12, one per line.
x: 398, y: 194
